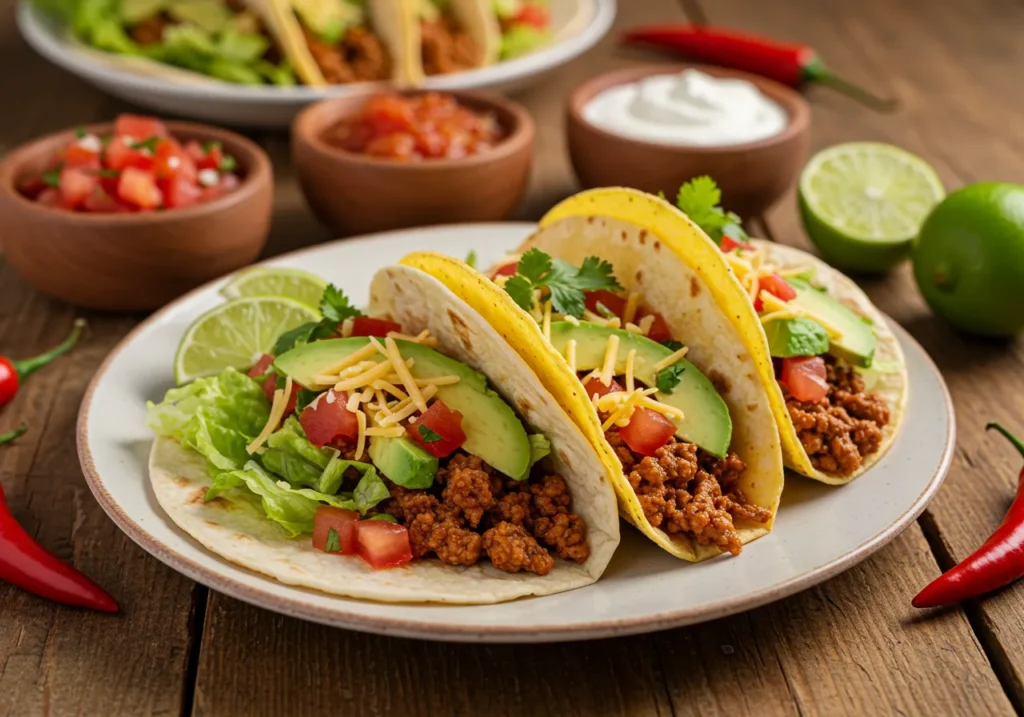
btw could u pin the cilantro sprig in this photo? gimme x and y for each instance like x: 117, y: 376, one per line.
x: 564, y: 282
x: 699, y: 199
x: 670, y: 376
x: 428, y: 435
x: 335, y: 307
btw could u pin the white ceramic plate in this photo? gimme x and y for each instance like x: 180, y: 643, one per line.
x: 820, y: 530
x: 577, y: 24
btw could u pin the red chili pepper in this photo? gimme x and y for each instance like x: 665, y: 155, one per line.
x: 995, y: 564
x: 26, y: 564
x: 12, y: 372
x: 789, y: 63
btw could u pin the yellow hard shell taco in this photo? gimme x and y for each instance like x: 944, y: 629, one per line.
x: 690, y: 250
x: 755, y: 437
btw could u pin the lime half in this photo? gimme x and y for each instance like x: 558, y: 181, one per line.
x: 235, y: 334
x: 295, y: 284
x: 862, y: 203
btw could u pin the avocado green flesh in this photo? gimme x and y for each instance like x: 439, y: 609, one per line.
x: 796, y: 337
x: 493, y: 431
x: 858, y: 341
x: 706, y: 419
x: 329, y: 19
x: 404, y: 462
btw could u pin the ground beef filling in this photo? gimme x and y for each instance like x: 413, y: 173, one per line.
x: 445, y: 48
x: 684, y: 490
x: 360, y: 56
x: 473, y: 512
x: 844, y: 428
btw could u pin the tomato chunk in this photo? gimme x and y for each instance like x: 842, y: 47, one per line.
x: 139, y: 127
x: 261, y: 366
x: 171, y: 162
x: 327, y: 418
x: 536, y: 16
x: 506, y: 270
x: 776, y: 286
x: 594, y: 386
x: 383, y: 544
x: 101, y: 201
x: 365, y: 326
x: 121, y: 154
x: 439, y: 430
x: 805, y: 377
x: 343, y: 522
x: 75, y: 186
x: 728, y: 244
x: 659, y: 330
x: 613, y: 302
x: 78, y: 154
x: 138, y: 187
x: 647, y: 431
x: 180, y: 192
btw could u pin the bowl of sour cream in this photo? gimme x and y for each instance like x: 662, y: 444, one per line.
x: 654, y: 128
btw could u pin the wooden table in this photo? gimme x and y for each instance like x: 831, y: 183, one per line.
x: 851, y: 646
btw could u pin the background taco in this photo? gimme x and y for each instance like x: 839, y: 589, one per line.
x: 490, y: 513
x: 712, y: 480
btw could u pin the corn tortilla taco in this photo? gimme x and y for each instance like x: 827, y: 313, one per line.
x: 406, y: 456
x: 669, y: 398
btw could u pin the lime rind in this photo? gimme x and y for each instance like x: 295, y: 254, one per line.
x: 870, y: 191
x: 296, y: 284
x: 235, y: 334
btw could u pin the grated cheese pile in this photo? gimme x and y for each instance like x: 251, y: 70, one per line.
x: 382, y: 393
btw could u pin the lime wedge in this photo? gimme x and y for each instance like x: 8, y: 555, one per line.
x: 862, y: 203
x: 235, y: 334
x: 295, y: 284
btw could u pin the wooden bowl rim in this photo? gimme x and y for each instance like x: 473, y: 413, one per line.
x: 309, y: 124
x: 796, y: 107
x: 248, y: 153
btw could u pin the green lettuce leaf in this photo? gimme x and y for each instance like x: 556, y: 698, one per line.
x: 522, y: 40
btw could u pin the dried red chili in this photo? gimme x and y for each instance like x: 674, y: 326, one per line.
x: 27, y: 565
x: 995, y: 564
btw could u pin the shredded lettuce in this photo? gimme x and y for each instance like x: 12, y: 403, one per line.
x: 522, y: 40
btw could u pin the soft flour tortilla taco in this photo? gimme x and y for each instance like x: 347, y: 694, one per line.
x: 669, y: 398
x: 417, y: 441
x: 334, y: 42
x: 836, y: 377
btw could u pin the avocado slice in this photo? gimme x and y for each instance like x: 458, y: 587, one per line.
x: 402, y: 461
x: 858, y: 342
x: 493, y: 431
x: 796, y: 337
x: 209, y: 15
x: 329, y: 19
x: 706, y: 419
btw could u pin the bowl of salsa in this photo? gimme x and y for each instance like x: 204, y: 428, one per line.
x: 398, y: 159
x: 129, y: 214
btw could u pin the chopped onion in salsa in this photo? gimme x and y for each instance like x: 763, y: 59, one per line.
x: 139, y: 167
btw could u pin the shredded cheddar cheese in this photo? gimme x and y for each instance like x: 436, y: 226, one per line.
x: 545, y: 324
x: 611, y: 355
x: 646, y: 323
x: 570, y: 354
x: 277, y: 410
x: 346, y: 328
x: 671, y: 359
x: 632, y: 304
x: 776, y: 308
x: 402, y: 369
x: 630, y: 358
x: 423, y: 337
x: 361, y: 442
x: 390, y: 432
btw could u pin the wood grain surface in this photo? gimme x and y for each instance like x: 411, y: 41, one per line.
x: 851, y: 646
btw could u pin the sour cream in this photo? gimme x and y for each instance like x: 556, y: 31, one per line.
x: 691, y: 108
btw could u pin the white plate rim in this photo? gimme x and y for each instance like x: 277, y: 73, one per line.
x: 665, y: 620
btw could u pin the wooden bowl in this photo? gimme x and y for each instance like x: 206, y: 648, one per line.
x: 752, y: 176
x: 355, y: 194
x: 129, y: 262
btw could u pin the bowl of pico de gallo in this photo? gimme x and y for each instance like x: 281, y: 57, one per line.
x: 130, y: 214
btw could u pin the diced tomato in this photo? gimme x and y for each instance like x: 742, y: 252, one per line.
x: 101, y: 201
x: 327, y: 418
x: 75, y: 155
x: 659, y: 330
x: 446, y: 426
x: 365, y: 326
x: 180, y: 192
x: 536, y: 16
x: 120, y: 155
x: 398, y: 145
x: 261, y: 366
x: 594, y: 386
x: 613, y: 302
x: 49, y: 198
x: 33, y: 187
x: 383, y: 544
x: 506, y: 270
x: 805, y: 377
x: 344, y: 523
x: 212, y: 157
x: 171, y: 162
x: 270, y: 388
x: 388, y: 114
x: 195, y: 151
x: 139, y: 127
x: 776, y: 286
x: 647, y: 431
x: 75, y: 186
x: 728, y: 244
x: 138, y: 187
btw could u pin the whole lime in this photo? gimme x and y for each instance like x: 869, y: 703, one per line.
x: 969, y: 259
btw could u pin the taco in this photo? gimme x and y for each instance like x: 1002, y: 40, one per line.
x: 459, y: 35
x: 669, y: 398
x: 334, y: 42
x: 436, y: 453
x: 837, y: 379
x: 231, y: 40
